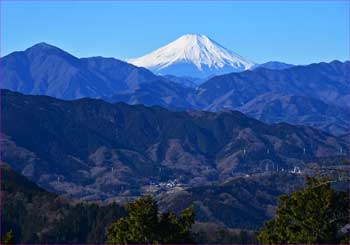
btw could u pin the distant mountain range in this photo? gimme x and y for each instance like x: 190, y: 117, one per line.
x: 94, y: 150
x: 317, y: 95
x: 274, y: 65
x: 48, y: 70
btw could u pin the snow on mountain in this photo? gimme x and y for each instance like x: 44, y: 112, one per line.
x: 195, y: 56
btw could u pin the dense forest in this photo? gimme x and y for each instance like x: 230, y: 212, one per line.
x: 31, y: 214
x: 37, y: 216
x: 316, y: 213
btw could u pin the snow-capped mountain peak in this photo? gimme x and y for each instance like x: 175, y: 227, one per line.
x: 195, y: 56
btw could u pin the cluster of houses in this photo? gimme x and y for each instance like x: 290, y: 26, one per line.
x: 167, y: 185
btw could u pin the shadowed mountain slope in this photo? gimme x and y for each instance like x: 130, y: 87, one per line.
x: 92, y: 149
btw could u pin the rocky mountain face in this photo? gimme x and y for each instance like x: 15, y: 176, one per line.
x: 91, y: 149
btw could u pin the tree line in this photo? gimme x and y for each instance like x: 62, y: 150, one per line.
x: 315, y: 214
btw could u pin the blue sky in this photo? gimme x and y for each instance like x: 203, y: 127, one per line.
x: 298, y: 32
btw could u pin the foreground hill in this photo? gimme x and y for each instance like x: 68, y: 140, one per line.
x: 242, y: 203
x: 37, y: 216
x: 92, y: 149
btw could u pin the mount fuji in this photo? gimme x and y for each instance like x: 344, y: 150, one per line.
x: 193, y: 55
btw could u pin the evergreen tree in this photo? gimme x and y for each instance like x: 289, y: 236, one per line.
x: 144, y: 225
x: 9, y: 238
x: 315, y: 215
